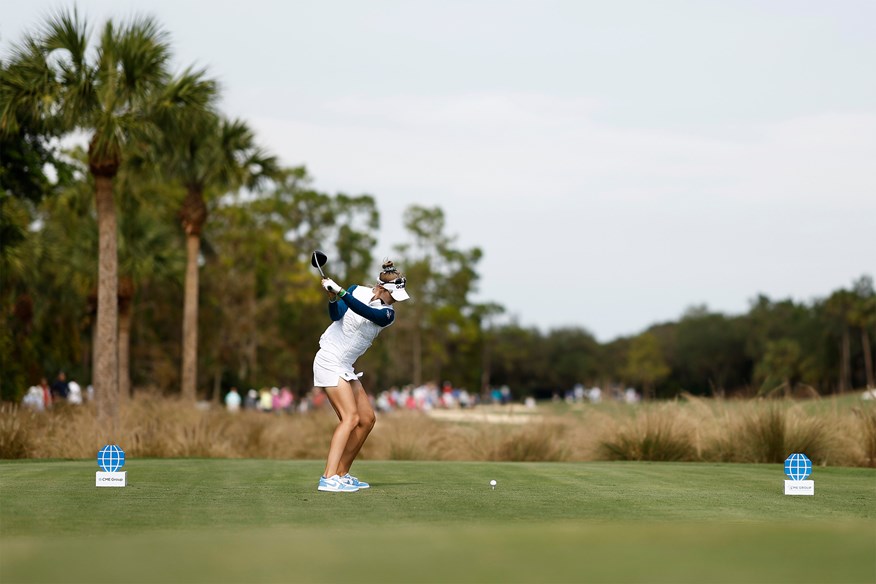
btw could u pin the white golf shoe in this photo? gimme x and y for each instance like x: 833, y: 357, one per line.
x: 351, y: 480
x: 336, y: 484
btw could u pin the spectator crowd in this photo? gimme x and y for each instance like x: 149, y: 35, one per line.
x: 282, y: 400
x: 43, y: 396
x: 277, y: 400
x: 594, y: 395
x: 425, y: 397
x: 422, y: 397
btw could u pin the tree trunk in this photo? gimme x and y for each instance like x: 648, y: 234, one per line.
x: 418, y: 356
x: 868, y: 358
x: 486, y: 364
x: 193, y: 215
x: 106, y: 374
x: 124, y: 357
x: 217, y: 385
x: 845, y: 365
x: 126, y: 305
x: 190, y: 320
x: 250, y: 329
x: 92, y: 313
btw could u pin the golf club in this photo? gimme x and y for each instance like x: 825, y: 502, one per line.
x: 318, y: 260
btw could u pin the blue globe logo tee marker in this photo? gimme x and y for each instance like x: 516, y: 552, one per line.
x: 110, y: 458
x: 798, y: 467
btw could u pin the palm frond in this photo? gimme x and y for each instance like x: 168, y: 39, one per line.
x: 65, y: 31
x: 192, y: 89
x: 65, y: 44
x: 260, y: 169
x: 184, y: 109
x: 246, y: 164
x: 143, y: 56
x: 27, y: 89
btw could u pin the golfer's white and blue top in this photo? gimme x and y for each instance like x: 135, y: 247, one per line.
x: 357, y: 320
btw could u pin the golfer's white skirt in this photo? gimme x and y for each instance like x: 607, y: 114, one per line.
x: 327, y: 371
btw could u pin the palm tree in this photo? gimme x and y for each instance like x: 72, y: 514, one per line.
x: 111, y: 94
x: 863, y: 316
x: 839, y: 310
x: 207, y: 154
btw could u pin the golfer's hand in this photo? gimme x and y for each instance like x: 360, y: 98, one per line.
x: 333, y: 287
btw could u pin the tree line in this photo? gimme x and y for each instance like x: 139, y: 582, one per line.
x: 172, y: 252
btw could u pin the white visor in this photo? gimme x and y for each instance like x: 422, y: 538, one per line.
x: 396, y: 290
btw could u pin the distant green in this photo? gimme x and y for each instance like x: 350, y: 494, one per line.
x: 263, y: 521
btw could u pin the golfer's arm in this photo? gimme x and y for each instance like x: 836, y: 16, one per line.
x: 379, y: 316
x: 337, y: 310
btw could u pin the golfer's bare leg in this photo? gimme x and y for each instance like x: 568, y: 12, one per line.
x: 344, y: 403
x: 360, y: 433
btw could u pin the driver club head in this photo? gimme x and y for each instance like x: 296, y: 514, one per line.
x: 318, y: 260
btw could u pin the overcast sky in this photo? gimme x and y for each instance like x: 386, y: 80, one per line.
x: 617, y: 162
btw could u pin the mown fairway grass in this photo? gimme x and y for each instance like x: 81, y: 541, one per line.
x: 216, y: 520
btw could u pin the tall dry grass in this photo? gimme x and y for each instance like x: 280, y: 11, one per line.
x: 691, y: 429
x: 661, y: 434
x: 867, y: 418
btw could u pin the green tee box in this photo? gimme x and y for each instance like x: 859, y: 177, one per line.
x: 218, y: 520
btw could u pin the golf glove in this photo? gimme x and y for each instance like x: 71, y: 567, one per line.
x: 333, y: 287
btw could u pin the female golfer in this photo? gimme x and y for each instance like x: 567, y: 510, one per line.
x: 358, y: 314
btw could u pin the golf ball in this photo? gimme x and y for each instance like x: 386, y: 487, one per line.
x: 492, y: 483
